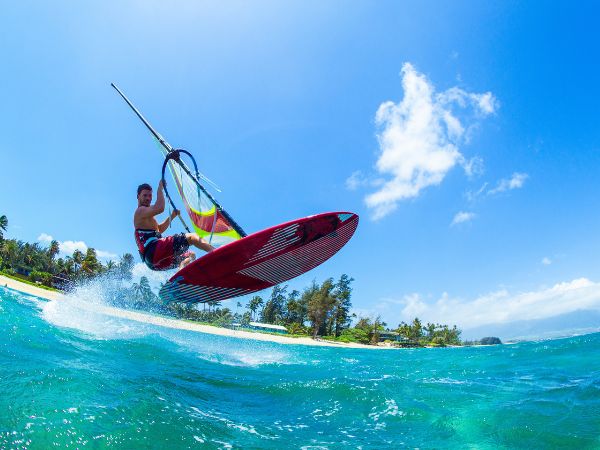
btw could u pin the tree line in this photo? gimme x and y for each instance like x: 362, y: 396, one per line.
x: 35, y: 262
x: 326, y: 308
x: 321, y: 310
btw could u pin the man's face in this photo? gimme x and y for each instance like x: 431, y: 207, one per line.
x: 145, y: 197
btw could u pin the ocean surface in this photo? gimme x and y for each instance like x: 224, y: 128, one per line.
x: 73, y: 378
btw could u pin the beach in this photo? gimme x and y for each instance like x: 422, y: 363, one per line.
x: 29, y: 289
x: 179, y: 324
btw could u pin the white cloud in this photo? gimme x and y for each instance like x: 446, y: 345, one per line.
x: 546, y: 261
x: 472, y: 196
x: 45, y: 238
x: 355, y: 180
x: 515, y: 182
x: 68, y: 247
x: 106, y: 255
x: 496, y: 307
x: 487, y: 103
x: 419, y: 138
x: 473, y: 167
x: 462, y: 217
x: 155, y: 278
x: 359, y: 179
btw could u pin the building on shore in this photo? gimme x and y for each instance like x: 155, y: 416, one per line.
x: 257, y: 326
x: 400, y: 341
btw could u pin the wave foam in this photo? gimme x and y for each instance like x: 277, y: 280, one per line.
x: 87, y: 310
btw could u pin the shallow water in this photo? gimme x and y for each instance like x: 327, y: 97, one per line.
x: 73, y: 378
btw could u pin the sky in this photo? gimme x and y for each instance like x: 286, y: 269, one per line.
x: 465, y: 135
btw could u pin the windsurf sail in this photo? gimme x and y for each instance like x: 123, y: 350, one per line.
x: 209, y: 220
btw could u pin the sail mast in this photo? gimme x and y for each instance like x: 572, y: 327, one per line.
x: 158, y: 137
x: 195, y: 177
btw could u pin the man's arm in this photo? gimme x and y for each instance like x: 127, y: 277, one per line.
x: 159, y: 204
x: 147, y: 212
x: 165, y: 224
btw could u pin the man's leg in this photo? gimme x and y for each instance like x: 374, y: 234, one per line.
x: 197, y: 241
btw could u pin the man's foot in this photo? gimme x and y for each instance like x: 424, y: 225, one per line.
x: 187, y: 260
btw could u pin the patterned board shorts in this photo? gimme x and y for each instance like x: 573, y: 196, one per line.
x: 167, y: 252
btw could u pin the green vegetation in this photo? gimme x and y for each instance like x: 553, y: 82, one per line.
x: 320, y: 310
x: 484, y: 341
x: 433, y: 335
x: 3, y: 226
x: 25, y: 280
x: 34, y: 263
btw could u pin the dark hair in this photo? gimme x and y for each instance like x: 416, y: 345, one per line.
x: 141, y: 187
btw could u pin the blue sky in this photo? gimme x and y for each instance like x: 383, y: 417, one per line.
x: 464, y: 134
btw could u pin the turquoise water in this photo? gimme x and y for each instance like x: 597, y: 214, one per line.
x: 72, y: 378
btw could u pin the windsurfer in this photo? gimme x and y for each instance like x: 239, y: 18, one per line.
x: 161, y: 253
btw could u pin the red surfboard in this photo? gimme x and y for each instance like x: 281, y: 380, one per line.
x: 261, y: 260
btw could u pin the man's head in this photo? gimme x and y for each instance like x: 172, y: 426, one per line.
x: 144, y: 194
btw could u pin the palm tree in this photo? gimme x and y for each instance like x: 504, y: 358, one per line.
x: 254, y: 304
x: 90, y: 264
x: 146, y: 291
x: 59, y: 266
x: 30, y: 255
x: 430, y: 330
x: 3, y: 226
x: 212, y: 304
x: 136, y: 291
x: 53, y: 249
x: 78, y: 258
x: 417, y: 329
x: 126, y: 265
x: 110, y: 265
x: 10, y: 252
x: 70, y: 267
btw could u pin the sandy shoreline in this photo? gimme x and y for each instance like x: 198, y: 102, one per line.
x: 29, y: 289
x: 180, y: 324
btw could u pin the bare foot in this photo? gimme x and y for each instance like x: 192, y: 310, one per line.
x: 186, y: 261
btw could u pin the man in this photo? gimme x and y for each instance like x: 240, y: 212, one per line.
x: 161, y: 253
